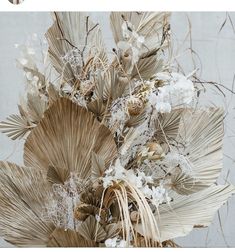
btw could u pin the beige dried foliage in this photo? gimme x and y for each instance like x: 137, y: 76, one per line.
x: 65, y: 139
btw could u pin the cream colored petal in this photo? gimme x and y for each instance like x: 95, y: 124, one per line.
x: 24, y: 193
x: 65, y: 139
x: 179, y: 218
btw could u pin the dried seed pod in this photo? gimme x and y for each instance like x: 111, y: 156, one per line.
x: 79, y: 215
x: 155, y: 149
x: 87, y: 87
x: 134, y: 216
x: 123, y: 80
x: 135, y: 106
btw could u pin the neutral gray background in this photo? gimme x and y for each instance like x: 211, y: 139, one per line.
x: 217, y: 55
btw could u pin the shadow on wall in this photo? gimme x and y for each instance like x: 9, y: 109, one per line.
x: 16, y: 1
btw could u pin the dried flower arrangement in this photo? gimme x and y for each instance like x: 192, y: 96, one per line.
x: 117, y: 152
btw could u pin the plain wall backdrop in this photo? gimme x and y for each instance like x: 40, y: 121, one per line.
x: 216, y: 50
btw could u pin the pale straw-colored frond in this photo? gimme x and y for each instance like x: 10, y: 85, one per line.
x: 24, y: 194
x: 147, y: 24
x: 97, y: 166
x: 180, y: 216
x: 65, y: 139
x: 91, y: 230
x: 74, y: 34
x: 146, y: 67
x: 125, y: 194
x: 68, y: 238
x: 36, y: 107
x: 167, y: 126
x: 200, y: 136
x: 15, y: 127
x: 135, y: 121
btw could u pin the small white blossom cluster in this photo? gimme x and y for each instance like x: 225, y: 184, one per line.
x: 66, y: 197
x: 132, y: 43
x: 116, y: 242
x: 119, y: 115
x: 177, y: 91
x: 174, y: 159
x: 141, y: 135
x: 73, y: 58
x: 139, y: 179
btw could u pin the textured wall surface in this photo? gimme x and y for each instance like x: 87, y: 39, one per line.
x: 217, y: 56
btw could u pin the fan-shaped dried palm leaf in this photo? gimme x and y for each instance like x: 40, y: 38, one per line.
x: 63, y: 37
x: 167, y: 125
x: 36, y: 107
x: 153, y: 26
x: 15, y: 127
x: 148, y: 24
x: 65, y: 139
x: 201, y: 135
x: 136, y: 120
x: 23, y: 197
x: 68, y: 238
x: 91, y: 230
x: 146, y: 67
x: 179, y: 217
x: 97, y: 166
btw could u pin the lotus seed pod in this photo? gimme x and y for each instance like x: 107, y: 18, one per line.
x: 135, y: 106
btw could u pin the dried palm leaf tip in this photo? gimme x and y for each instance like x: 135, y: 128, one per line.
x: 117, y: 151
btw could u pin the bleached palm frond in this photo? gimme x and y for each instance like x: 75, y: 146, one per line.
x: 147, y: 24
x: 135, y: 121
x: 146, y: 67
x: 65, y: 139
x: 180, y: 216
x: 24, y: 194
x: 68, y: 238
x: 97, y: 166
x: 91, y: 230
x: 15, y: 127
x: 36, y: 107
x: 75, y: 34
x: 200, y: 136
x: 167, y: 126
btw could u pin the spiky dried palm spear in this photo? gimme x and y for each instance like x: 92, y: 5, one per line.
x: 116, y: 152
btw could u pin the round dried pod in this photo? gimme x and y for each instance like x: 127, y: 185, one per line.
x: 87, y: 87
x: 134, y: 216
x: 156, y: 149
x: 78, y: 215
x: 135, y: 106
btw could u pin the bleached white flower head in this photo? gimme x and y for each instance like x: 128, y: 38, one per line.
x: 177, y: 91
x: 111, y: 242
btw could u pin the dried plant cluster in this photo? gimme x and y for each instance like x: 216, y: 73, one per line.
x: 117, y: 151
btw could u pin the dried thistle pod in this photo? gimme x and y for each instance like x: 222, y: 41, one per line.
x: 87, y: 87
x: 135, y: 106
